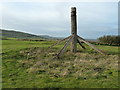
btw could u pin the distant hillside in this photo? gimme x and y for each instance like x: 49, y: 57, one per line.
x: 22, y: 35
x: 50, y: 37
x: 17, y: 34
x: 93, y: 40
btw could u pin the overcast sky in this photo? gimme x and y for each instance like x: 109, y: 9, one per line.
x: 94, y: 19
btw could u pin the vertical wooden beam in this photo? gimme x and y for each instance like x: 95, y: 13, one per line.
x: 73, y: 30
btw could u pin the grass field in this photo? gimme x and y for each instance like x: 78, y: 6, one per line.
x: 30, y: 64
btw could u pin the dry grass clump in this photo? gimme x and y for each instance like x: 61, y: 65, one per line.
x: 78, y: 65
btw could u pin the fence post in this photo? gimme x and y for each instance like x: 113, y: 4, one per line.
x: 73, y: 30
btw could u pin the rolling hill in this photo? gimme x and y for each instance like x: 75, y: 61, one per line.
x: 22, y: 35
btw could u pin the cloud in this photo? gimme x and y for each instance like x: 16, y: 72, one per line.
x: 53, y: 18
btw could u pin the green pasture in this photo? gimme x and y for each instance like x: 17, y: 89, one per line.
x: 85, y: 69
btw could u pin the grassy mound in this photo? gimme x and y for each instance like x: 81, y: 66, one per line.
x: 80, y: 66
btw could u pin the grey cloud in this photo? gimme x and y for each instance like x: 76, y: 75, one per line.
x: 94, y: 19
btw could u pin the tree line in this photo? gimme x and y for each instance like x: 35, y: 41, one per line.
x: 110, y: 40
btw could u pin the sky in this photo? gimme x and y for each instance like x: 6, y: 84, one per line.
x: 94, y: 19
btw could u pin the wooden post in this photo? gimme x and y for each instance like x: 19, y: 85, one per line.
x: 73, y: 30
x: 74, y: 38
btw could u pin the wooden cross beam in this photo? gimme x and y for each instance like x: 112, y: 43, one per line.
x: 74, y: 38
x: 80, y: 43
x: 65, y: 46
x: 98, y: 50
x: 60, y: 41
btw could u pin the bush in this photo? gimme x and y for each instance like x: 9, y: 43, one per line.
x: 111, y: 40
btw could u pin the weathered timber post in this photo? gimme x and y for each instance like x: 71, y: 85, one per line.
x: 74, y: 38
x: 73, y: 30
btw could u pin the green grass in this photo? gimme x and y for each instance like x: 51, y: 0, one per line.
x: 17, y: 44
x: 85, y: 69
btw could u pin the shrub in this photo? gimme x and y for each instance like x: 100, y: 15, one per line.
x: 111, y: 40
